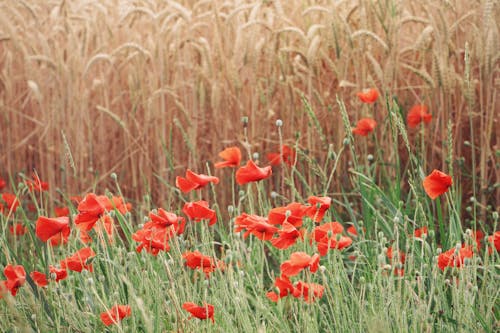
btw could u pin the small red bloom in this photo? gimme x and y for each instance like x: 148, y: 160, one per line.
x: 351, y: 230
x: 36, y: 184
x: 292, y: 213
x: 494, y: 242
x: 285, y: 288
x: 399, y: 257
x: 199, y: 211
x: 286, y: 155
x: 194, y: 181
x: 319, y: 206
x: 90, y: 210
x: 152, y: 239
x: 61, y: 211
x: 436, y: 184
x: 418, y: 114
x: 454, y: 257
x: 115, y: 314
x: 3, y: 183
x: 288, y: 235
x: 231, y: 157
x: 309, y: 291
x: 255, y: 225
x: 39, y: 278
x: 16, y: 276
x: 104, y: 224
x: 421, y: 231
x: 201, y: 312
x: 196, y: 260
x: 57, y: 274
x: 18, y: 229
x: 79, y: 261
x: 368, y: 95
x: 364, y: 126
x: 328, y: 236
x: 252, y: 173
x: 299, y: 261
x: 11, y: 201
x: 54, y: 229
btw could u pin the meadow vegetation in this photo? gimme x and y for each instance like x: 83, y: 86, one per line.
x: 113, y: 116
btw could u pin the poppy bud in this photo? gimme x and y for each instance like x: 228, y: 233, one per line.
x: 255, y: 156
x: 279, y: 122
x: 113, y: 176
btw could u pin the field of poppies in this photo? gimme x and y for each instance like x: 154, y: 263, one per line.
x: 249, y: 166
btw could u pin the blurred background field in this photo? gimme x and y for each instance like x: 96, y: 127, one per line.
x: 146, y: 89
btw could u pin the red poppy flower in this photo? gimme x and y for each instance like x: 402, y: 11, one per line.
x: 18, y: 229
x: 194, y: 181
x: 328, y: 236
x: 16, y: 277
x: 327, y: 229
x: 11, y: 201
x: 79, y: 261
x: 319, y: 206
x: 61, y: 211
x: 421, y: 231
x: 454, y: 257
x: 90, y: 210
x: 494, y: 242
x: 104, y: 224
x: 299, y: 261
x: 36, y: 184
x: 252, y: 173
x: 76, y: 199
x: 115, y: 314
x: 436, y: 184
x: 54, y: 229
x: 199, y: 211
x: 351, y: 230
x: 155, y: 234
x: 39, y: 278
x: 288, y: 235
x: 231, y: 157
x: 255, y: 225
x: 364, y: 126
x: 152, y: 239
x: 196, y: 260
x: 286, y: 155
x: 292, y: 213
x: 3, y: 183
x: 368, y: 95
x: 201, y: 312
x: 309, y: 291
x: 399, y: 257
x: 285, y: 288
x: 418, y: 114
x: 168, y: 219
x: 57, y: 274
